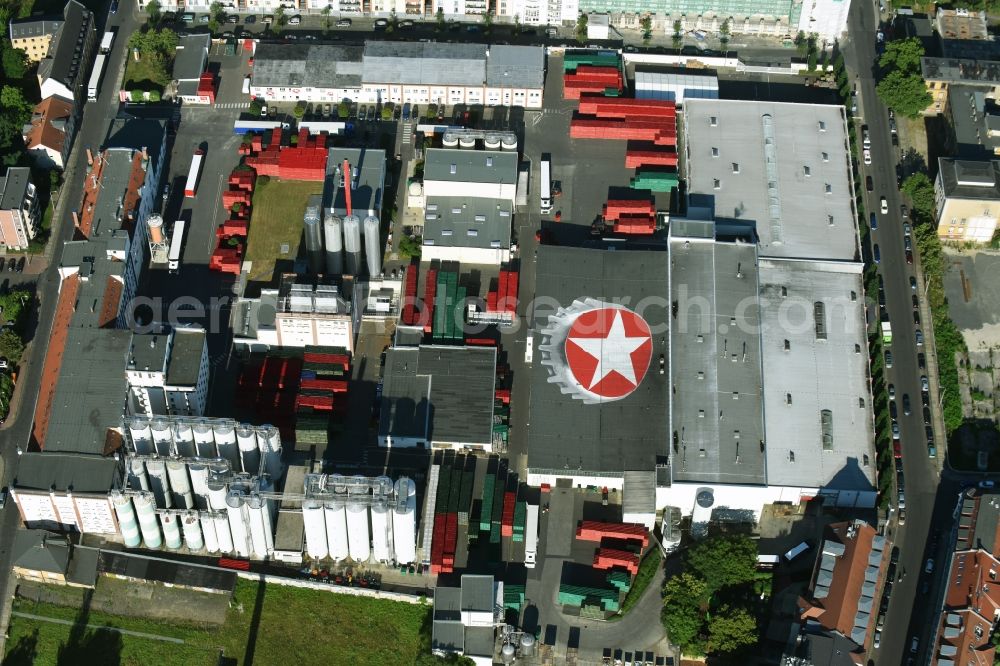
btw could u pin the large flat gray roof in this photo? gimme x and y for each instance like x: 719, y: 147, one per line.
x: 13, y: 187
x: 446, y: 392
x: 961, y: 70
x: 149, y: 351
x: 81, y: 473
x: 470, y: 166
x: 817, y: 373
x: 609, y: 436
x: 716, y: 415
x: 192, y: 54
x: 780, y: 167
x: 515, y: 66
x: 299, y: 65
x: 424, y: 63
x: 185, y: 356
x: 467, y: 222
x: 368, y: 185
x: 970, y: 179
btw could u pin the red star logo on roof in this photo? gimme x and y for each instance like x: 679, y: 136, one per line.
x: 608, y: 351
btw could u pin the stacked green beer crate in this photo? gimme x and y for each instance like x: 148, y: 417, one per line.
x: 443, y: 489
x: 520, y: 517
x: 486, y: 513
x: 513, y: 596
x: 465, y: 494
x: 576, y: 595
x: 591, y: 612
x: 620, y: 580
x: 655, y: 181
x: 590, y: 57
x: 498, y: 491
x: 456, y: 489
x: 311, y: 428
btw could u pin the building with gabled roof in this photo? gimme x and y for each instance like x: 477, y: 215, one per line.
x: 48, y: 136
x: 463, y: 618
x: 64, y: 69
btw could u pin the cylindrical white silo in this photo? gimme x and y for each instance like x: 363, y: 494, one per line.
x: 225, y: 442
x: 269, y: 441
x: 184, y: 440
x: 449, y: 140
x: 142, y: 436
x: 373, y: 246
x: 336, y: 529
x: 180, y: 485
x: 704, y: 501
x: 314, y: 522
x: 155, y: 224
x: 208, y: 530
x: 171, y: 530
x: 358, y: 535
x: 256, y: 512
x: 223, y: 532
x: 246, y: 439
x: 492, y: 142
x: 204, y: 440
x: 192, y: 532
x: 404, y: 521
x: 199, y: 483
x: 217, y: 491
x: 334, y: 240
x: 159, y: 484
x: 509, y: 142
x: 467, y: 142
x: 381, y: 530
x: 352, y: 245
x: 145, y: 511
x: 163, y: 440
x: 126, y: 519
x: 137, y: 477
x: 236, y: 510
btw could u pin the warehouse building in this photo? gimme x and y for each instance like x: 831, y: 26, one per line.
x: 167, y: 372
x: 313, y: 73
x: 676, y: 86
x: 438, y: 397
x: 463, y: 618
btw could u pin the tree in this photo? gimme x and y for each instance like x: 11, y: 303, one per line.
x: 11, y: 346
x: 280, y: 19
x: 13, y: 103
x: 678, y: 36
x: 646, y: 24
x: 439, y: 18
x: 903, y: 54
x: 682, y: 614
x: 387, y: 112
x: 299, y: 110
x: 255, y: 108
x: 731, y: 629
x: 15, y: 62
x: 487, y: 22
x: 581, y: 28
x: 217, y: 16
x: 920, y: 189
x: 811, y: 61
x: 326, y: 18
x: 410, y: 247
x: 723, y: 561
x: 906, y: 94
x: 724, y: 33
x: 393, y: 22
x: 343, y: 110
x: 155, y: 11
x: 517, y: 24
x: 800, y: 42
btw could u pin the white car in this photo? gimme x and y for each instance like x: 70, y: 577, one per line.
x: 868, y: 156
x: 885, y: 206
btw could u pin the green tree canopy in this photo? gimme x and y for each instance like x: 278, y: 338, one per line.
x: 15, y: 62
x: 906, y: 94
x: 903, y: 54
x: 723, y: 561
x: 155, y: 11
x: 682, y: 614
x: 11, y: 346
x: 731, y: 629
x: 920, y: 189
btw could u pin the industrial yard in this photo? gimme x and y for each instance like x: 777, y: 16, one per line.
x: 276, y: 224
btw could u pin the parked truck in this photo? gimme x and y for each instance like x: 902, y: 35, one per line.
x: 107, y: 40
x: 191, y: 186
x: 94, y: 84
x: 531, y: 536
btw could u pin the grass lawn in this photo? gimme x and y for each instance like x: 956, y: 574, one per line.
x: 147, y: 73
x: 294, y: 626
x: 276, y: 220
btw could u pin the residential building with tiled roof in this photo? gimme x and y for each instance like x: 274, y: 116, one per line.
x: 64, y: 69
x: 34, y: 35
x: 48, y: 136
x: 19, y: 210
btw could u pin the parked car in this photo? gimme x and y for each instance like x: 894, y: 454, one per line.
x: 204, y: 18
x: 892, y: 391
x: 250, y: 20
x: 232, y: 18
x: 344, y: 23
x: 925, y: 399
x: 921, y: 361
x: 987, y: 484
x: 885, y: 206
x: 867, y: 154
x: 295, y: 20
x: 907, y: 243
x: 913, y: 283
x: 927, y: 415
x: 114, y: 7
x: 888, y: 358
x: 916, y: 302
x: 406, y: 111
x: 929, y: 566
x: 931, y: 450
x: 876, y: 254
x: 905, y: 214
x: 268, y: 19
x: 895, y: 429
x: 916, y: 318
x: 909, y: 257
x: 873, y: 222
x: 918, y: 335
x: 20, y: 264
x: 893, y: 410
x: 869, y: 183
x: 906, y: 404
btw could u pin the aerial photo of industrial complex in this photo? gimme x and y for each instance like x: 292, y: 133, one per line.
x: 541, y: 332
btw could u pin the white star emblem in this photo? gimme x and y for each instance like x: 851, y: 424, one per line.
x: 613, y: 352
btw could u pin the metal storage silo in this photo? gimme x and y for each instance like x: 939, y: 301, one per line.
x: 171, y: 530
x: 313, y: 235
x: 381, y: 530
x: 467, y: 142
x: 359, y: 540
x: 145, y: 511
x: 449, y: 140
x: 336, y: 518
x: 204, y: 440
x: 163, y: 441
x: 199, y: 483
x: 192, y: 531
x: 126, y: 519
x: 404, y: 521
x: 223, y: 532
x: 352, y: 245
x: 217, y: 491
x: 180, y: 485
x: 314, y: 521
x: 260, y: 533
x: 155, y: 224
x: 507, y: 653
x: 333, y: 234
x: 184, y: 440
x: 373, y: 246
x: 492, y: 142
x: 142, y: 436
x: 269, y: 441
x: 137, y: 477
x: 208, y: 530
x: 225, y: 443
x: 246, y: 439
x: 238, y: 524
x: 527, y: 645
x: 159, y: 484
x: 509, y: 142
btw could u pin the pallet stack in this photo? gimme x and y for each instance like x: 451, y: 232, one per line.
x: 507, y: 518
x: 620, y: 580
x: 593, y: 530
x: 504, y: 297
x: 579, y: 596
x: 449, y: 309
x: 631, y: 216
x: 430, y: 295
x: 608, y: 558
x: 409, y: 315
x: 520, y: 517
x: 601, y: 79
x: 304, y: 161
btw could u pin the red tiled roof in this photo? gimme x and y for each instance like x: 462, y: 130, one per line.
x: 42, y: 133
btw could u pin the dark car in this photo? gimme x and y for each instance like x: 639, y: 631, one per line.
x: 873, y: 222
x: 929, y: 433
x: 20, y: 264
x: 906, y: 404
x: 2, y: 263
x: 916, y: 318
x: 114, y: 7
x: 921, y: 361
x: 916, y: 302
x: 869, y: 184
x: 893, y: 411
x: 925, y: 399
x: 909, y: 256
x: 406, y: 111
x: 12, y: 265
x: 876, y: 254
x: 250, y: 20
x: 927, y: 415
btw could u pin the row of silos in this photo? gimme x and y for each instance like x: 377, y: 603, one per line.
x: 467, y: 140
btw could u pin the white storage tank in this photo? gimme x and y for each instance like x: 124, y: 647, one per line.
x: 199, y: 483
x: 208, y: 530
x: 163, y: 441
x: 155, y: 224
x: 336, y: 529
x: 381, y: 530
x: 184, y: 440
x: 352, y: 245
x: 246, y: 439
x: 225, y: 442
x: 238, y: 524
x: 142, y: 436
x: 467, y: 142
x: 137, y: 477
x: 333, y: 236
x: 204, y: 440
x: 180, y: 485
x: 449, y: 140
x: 145, y: 511
x: 159, y: 484
x: 217, y: 490
x: 127, y: 522
x: 509, y: 143
x: 260, y: 526
x: 404, y: 521
x: 192, y: 532
x: 314, y: 521
x: 492, y: 142
x: 358, y: 535
x: 373, y: 246
x: 171, y: 530
x: 222, y: 532
x: 269, y: 439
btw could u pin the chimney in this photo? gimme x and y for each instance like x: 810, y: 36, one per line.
x: 76, y: 220
x: 90, y: 157
x: 347, y: 185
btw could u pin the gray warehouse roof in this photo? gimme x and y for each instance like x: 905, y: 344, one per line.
x: 424, y: 63
x: 192, y: 54
x: 816, y: 361
x: 368, y: 184
x: 467, y: 222
x: 744, y: 155
x: 185, y: 357
x: 299, y: 65
x: 470, y: 166
x: 13, y: 187
x: 39, y: 550
x: 609, y: 436
x: 515, y: 66
x: 445, y: 392
x: 716, y: 414
x: 81, y: 473
x: 149, y: 351
x: 968, y: 179
x: 64, y: 59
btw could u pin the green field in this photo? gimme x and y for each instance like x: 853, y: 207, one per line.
x: 276, y: 220
x: 286, y: 626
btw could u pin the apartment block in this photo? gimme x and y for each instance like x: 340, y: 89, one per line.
x: 967, y: 198
x: 19, y: 210
x: 167, y: 372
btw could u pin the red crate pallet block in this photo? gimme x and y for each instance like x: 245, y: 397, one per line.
x: 342, y: 360
x: 244, y: 149
x: 409, y: 314
x: 226, y: 260
x: 638, y: 225
x: 574, y: 89
x: 596, y: 72
x: 625, y: 107
x: 331, y: 385
x: 501, y: 292
x: 634, y: 130
x: 230, y: 197
x: 317, y: 402
x: 606, y: 558
x: 507, y: 516
x: 503, y: 395
x: 512, y: 278
x: 257, y: 143
x: 232, y: 228
x: 615, y: 208
x: 608, y: 77
x: 595, y: 530
x: 480, y: 342
x: 430, y: 294
x: 640, y: 157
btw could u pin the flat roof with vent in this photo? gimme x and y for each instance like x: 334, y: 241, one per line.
x: 817, y: 406
x: 793, y: 182
x: 969, y: 179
